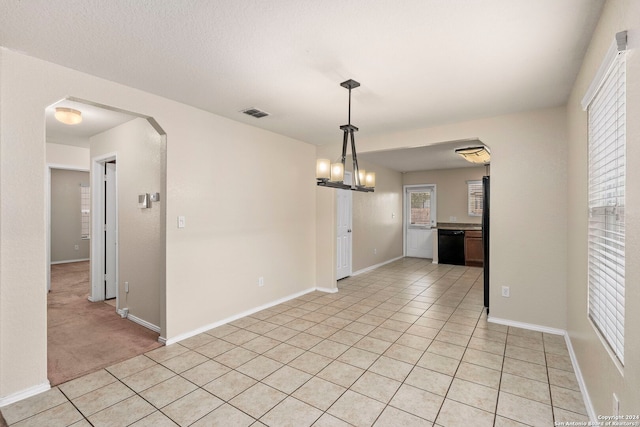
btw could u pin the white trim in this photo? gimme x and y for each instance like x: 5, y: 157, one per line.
x: 618, y: 45
x: 24, y: 394
x: 583, y: 386
x: 373, y: 267
x: 162, y: 340
x: 574, y: 360
x: 124, y: 313
x: 69, y: 261
x: 184, y: 336
x: 144, y: 323
x: 66, y: 167
x: 523, y: 325
x: 327, y: 290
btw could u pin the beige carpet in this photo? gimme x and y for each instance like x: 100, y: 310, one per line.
x: 84, y: 337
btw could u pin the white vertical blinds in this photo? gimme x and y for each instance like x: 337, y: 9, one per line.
x: 606, y: 253
x: 474, y: 198
x: 85, y: 205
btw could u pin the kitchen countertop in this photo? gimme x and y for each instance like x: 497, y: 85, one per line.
x: 458, y: 226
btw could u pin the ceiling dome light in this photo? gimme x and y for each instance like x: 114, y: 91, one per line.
x: 480, y: 154
x: 68, y: 116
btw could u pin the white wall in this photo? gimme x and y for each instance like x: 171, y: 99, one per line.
x: 67, y: 156
x: 247, y: 217
x: 528, y: 206
x: 141, y: 238
x: 377, y: 219
x: 602, y: 376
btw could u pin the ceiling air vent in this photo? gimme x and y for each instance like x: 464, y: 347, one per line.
x: 254, y: 112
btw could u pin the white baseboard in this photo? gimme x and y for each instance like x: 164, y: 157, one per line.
x: 31, y: 391
x: 583, y: 386
x: 574, y: 360
x: 373, y: 267
x: 328, y: 290
x: 184, y: 336
x: 530, y: 326
x: 124, y: 313
x: 144, y: 323
x: 69, y: 261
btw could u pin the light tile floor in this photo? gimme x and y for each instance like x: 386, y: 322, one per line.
x: 407, y: 344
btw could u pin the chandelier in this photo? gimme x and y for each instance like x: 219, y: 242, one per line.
x: 332, y: 174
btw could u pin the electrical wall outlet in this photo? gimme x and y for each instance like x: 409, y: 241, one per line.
x: 260, y: 281
x: 375, y: 251
x: 182, y: 222
x: 76, y: 247
x: 505, y: 291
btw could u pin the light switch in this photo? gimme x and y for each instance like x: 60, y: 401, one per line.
x: 181, y: 222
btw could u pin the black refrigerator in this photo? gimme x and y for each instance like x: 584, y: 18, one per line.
x: 485, y: 236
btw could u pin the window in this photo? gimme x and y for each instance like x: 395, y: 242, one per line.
x: 474, y: 198
x: 420, y: 208
x: 85, y: 204
x: 606, y: 239
x: 420, y: 205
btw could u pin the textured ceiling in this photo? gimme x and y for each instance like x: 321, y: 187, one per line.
x: 420, y: 62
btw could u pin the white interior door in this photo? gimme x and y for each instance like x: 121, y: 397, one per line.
x: 343, y: 247
x: 110, y: 232
x: 420, y: 220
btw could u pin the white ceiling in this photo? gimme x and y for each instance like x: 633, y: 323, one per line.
x: 439, y: 156
x: 95, y: 120
x: 420, y: 62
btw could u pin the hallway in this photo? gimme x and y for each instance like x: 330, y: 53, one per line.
x: 82, y: 336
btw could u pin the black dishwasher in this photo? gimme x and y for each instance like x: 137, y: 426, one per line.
x: 451, y: 247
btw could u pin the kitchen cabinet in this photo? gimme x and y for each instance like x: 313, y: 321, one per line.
x: 473, y: 253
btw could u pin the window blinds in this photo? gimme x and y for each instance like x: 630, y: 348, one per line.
x: 85, y: 204
x: 474, y: 198
x: 606, y: 238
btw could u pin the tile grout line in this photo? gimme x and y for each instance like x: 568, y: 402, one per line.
x: 405, y: 294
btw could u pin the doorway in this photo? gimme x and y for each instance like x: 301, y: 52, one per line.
x: 104, y: 245
x: 126, y: 156
x: 344, y: 204
x: 67, y: 188
x: 419, y: 220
